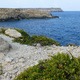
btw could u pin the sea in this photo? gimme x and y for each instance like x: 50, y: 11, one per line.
x: 65, y: 29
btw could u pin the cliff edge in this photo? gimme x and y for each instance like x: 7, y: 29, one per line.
x: 17, y: 14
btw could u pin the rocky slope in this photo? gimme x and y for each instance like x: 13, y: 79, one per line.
x: 17, y: 14
x: 18, y: 57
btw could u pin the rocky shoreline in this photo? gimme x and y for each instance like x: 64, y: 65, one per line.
x: 7, y: 14
x: 15, y: 58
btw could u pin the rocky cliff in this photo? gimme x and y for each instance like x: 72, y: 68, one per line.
x: 17, y: 14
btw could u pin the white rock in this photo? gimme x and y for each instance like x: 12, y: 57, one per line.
x: 1, y: 55
x: 36, y: 62
x: 8, y: 78
x: 10, y: 67
x: 13, y: 33
x: 9, y: 59
x: 5, y: 75
x: 21, y: 60
x: 17, y: 60
x: 4, y: 45
x: 14, y: 71
x: 31, y: 65
x: 38, y: 45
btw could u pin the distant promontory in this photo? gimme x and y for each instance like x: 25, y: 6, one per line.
x: 47, y: 9
x: 26, y: 13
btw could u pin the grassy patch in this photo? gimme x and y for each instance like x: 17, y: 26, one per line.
x: 60, y: 67
x: 27, y: 39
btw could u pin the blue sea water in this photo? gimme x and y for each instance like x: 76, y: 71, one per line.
x: 65, y: 29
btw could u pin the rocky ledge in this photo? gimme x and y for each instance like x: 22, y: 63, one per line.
x: 17, y: 14
x: 15, y: 58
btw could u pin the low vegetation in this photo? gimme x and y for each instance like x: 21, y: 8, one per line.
x: 1, y: 70
x: 60, y: 67
x: 71, y: 44
x: 31, y: 40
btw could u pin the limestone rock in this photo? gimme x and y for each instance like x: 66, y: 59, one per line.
x: 1, y: 55
x: 9, y: 59
x: 13, y: 33
x: 38, y: 45
x: 4, y: 45
x: 21, y: 60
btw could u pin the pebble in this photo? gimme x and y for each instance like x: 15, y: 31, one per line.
x: 9, y: 60
x: 21, y: 60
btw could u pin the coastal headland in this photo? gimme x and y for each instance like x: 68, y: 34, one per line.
x: 18, y: 14
x: 47, y: 9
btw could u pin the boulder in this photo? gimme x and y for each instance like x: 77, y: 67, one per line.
x: 13, y: 33
x: 4, y: 45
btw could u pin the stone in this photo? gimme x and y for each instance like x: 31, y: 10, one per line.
x: 6, y: 74
x: 21, y: 60
x: 1, y: 55
x: 4, y: 45
x: 36, y: 62
x: 13, y: 33
x: 17, y: 60
x: 34, y: 44
x: 7, y: 78
x: 38, y: 45
x: 10, y: 67
x: 8, y: 60
x: 14, y: 71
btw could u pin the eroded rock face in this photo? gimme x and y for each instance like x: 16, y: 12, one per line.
x: 4, y: 45
x: 13, y: 33
x: 17, y: 14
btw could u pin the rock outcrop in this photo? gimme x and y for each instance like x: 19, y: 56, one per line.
x: 17, y: 14
x: 13, y: 33
x: 4, y: 45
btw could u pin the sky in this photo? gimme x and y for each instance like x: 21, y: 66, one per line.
x: 66, y: 5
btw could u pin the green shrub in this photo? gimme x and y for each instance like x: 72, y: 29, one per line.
x: 27, y: 39
x: 60, y: 67
x: 1, y: 70
x: 44, y: 40
x: 71, y: 44
x: 24, y: 34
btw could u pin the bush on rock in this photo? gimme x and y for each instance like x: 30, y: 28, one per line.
x: 27, y: 39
